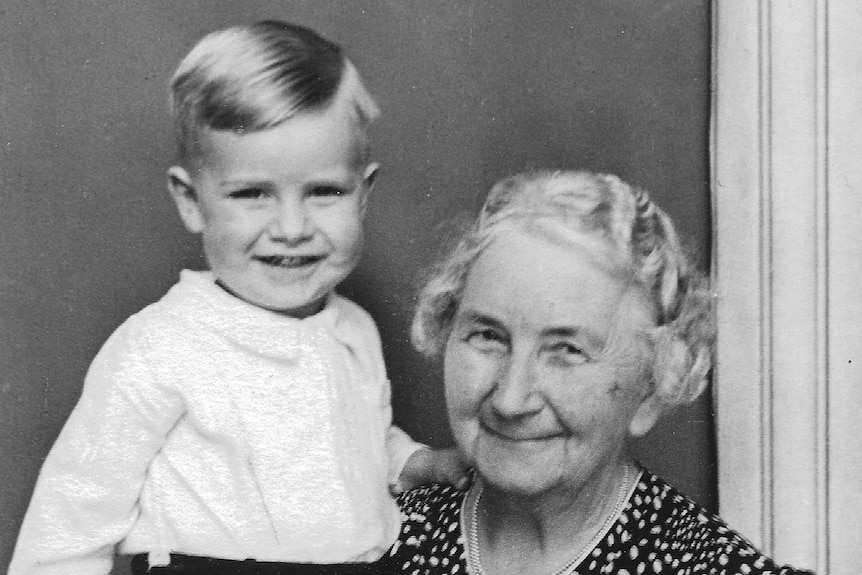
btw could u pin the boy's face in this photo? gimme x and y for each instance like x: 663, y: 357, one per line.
x: 280, y: 210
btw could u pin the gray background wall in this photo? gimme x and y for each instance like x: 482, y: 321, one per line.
x: 471, y: 91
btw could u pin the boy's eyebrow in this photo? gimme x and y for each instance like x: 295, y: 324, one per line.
x: 237, y: 182
x: 339, y: 179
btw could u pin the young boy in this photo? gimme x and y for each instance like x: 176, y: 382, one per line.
x: 246, y: 414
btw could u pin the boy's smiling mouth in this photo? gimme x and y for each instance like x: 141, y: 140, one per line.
x: 289, y: 261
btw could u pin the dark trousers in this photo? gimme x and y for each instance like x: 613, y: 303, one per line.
x: 194, y: 565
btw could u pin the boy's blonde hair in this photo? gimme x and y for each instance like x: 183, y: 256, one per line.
x: 254, y: 77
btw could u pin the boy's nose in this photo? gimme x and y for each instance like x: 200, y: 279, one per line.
x: 291, y: 222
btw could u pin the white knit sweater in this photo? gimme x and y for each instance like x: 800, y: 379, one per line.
x: 209, y: 426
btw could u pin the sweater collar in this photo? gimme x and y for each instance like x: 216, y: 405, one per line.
x: 262, y: 331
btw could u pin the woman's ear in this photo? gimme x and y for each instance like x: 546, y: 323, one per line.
x: 184, y: 195
x: 647, y: 413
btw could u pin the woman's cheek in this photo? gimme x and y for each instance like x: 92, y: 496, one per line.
x: 583, y: 397
x: 468, y: 379
x: 459, y: 372
x: 462, y: 401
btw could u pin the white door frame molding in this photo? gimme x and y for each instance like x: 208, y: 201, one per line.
x: 787, y: 199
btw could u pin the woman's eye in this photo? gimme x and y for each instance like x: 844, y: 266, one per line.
x: 569, y: 352
x: 486, y: 339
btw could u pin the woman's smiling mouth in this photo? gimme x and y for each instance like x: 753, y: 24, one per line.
x: 519, y: 435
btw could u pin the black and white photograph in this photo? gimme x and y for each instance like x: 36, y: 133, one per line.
x: 455, y: 287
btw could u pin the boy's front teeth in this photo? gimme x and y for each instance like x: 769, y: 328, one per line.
x: 288, y: 261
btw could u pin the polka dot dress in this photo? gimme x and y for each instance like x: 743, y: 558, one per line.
x: 660, y: 531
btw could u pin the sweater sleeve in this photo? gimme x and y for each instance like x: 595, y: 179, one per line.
x: 85, y: 500
x: 399, y: 446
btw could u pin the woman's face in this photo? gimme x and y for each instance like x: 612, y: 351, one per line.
x: 535, y: 399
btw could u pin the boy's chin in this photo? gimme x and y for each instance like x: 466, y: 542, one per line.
x: 298, y: 310
x: 302, y: 311
x: 277, y: 305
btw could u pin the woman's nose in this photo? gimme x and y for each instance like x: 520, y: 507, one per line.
x: 515, y: 389
x: 290, y: 222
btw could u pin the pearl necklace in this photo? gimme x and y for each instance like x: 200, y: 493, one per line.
x: 473, y: 550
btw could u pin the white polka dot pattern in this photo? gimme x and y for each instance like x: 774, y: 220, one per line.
x: 660, y: 531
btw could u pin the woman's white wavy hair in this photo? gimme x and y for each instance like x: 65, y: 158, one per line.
x: 681, y: 342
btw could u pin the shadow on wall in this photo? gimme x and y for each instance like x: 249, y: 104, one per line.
x: 471, y: 92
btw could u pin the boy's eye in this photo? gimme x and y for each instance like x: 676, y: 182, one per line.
x: 247, y: 194
x: 328, y: 191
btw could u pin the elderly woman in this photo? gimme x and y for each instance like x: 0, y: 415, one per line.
x: 569, y: 321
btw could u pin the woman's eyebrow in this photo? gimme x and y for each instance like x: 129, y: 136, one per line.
x: 474, y: 316
x: 590, y: 336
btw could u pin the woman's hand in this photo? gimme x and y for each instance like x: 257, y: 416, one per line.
x: 426, y: 466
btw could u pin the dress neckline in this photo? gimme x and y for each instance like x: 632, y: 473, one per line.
x: 467, y: 524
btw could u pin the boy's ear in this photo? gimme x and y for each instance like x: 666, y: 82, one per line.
x: 368, y: 179
x: 183, y: 192
x: 370, y: 174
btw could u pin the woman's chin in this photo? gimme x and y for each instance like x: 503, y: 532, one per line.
x: 519, y: 482
x: 526, y: 469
